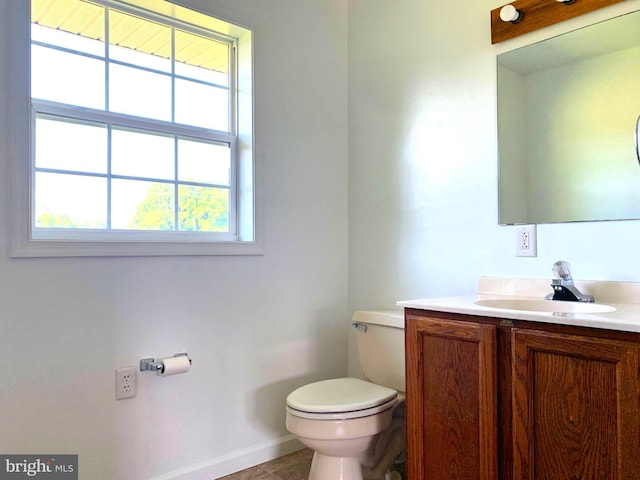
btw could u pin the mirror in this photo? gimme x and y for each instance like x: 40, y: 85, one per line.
x: 568, y: 111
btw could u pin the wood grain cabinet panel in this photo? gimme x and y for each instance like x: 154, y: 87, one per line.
x: 575, y: 404
x: 451, y: 399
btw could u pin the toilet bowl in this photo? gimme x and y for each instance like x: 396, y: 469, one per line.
x: 356, y: 427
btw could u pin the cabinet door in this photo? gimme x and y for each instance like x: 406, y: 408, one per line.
x: 451, y: 400
x: 576, y: 410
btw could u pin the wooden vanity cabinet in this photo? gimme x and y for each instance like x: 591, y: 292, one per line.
x: 491, y: 399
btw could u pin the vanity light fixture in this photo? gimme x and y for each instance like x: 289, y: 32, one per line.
x: 509, y: 13
x: 506, y: 21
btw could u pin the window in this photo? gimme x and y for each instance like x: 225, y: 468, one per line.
x: 139, y: 140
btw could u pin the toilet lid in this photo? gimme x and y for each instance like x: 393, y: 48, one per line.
x: 339, y: 395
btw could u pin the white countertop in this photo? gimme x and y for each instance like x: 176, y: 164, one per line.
x: 626, y: 316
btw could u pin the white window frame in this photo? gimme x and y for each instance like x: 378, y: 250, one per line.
x: 27, y: 241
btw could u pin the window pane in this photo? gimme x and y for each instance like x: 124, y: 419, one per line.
x: 138, y: 41
x: 142, y: 59
x: 203, y: 209
x: 82, y: 30
x: 203, y: 162
x: 67, y: 78
x: 142, y: 205
x: 64, y: 39
x: 198, y: 73
x: 83, y: 204
x: 202, y: 58
x: 64, y: 145
x: 142, y: 154
x: 138, y: 92
x: 202, y: 105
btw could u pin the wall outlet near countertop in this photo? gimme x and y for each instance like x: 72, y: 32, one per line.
x: 526, y: 241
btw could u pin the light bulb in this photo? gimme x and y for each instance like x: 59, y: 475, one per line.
x: 509, y: 13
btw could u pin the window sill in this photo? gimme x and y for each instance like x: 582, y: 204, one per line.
x: 50, y: 248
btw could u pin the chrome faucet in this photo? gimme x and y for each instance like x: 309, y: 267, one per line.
x: 563, y: 287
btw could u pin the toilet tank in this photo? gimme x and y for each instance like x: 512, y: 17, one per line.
x: 381, y: 346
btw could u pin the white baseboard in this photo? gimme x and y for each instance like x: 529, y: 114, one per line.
x: 235, y: 461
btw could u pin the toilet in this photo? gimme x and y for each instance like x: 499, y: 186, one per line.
x: 355, y: 427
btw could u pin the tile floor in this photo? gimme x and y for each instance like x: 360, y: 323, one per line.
x: 294, y: 466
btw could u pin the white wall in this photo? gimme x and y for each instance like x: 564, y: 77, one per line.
x: 256, y: 327
x: 423, y: 160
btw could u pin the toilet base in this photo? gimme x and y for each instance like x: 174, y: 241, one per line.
x: 324, y: 467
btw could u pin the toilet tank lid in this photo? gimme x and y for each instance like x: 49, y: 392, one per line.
x: 389, y: 318
x: 339, y: 395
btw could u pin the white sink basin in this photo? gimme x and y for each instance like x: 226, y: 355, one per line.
x: 545, y: 306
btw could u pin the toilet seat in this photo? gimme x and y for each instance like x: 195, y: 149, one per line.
x: 340, y: 398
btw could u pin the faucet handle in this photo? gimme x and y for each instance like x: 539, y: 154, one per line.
x: 562, y: 270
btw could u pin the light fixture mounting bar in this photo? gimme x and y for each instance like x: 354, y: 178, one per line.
x: 538, y: 14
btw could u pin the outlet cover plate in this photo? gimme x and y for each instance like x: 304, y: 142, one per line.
x: 526, y: 241
x: 125, y: 383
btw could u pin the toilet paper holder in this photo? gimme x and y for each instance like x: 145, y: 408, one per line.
x: 150, y: 364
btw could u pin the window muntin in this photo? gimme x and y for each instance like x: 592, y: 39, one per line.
x: 147, y: 150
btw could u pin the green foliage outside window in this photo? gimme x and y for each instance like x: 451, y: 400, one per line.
x: 200, y: 209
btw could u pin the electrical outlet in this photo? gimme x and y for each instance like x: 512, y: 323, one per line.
x: 125, y: 383
x: 526, y: 242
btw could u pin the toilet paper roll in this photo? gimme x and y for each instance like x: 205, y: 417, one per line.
x: 174, y: 365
